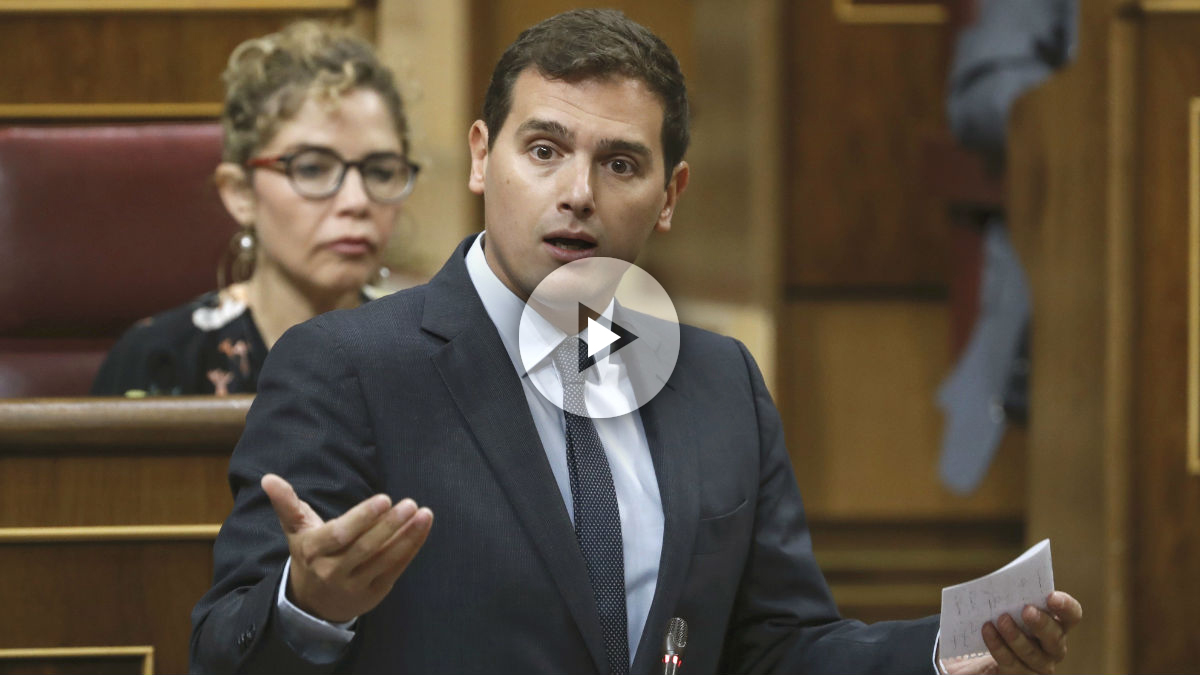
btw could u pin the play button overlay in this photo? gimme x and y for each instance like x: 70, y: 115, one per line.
x: 626, y: 322
x: 599, y: 337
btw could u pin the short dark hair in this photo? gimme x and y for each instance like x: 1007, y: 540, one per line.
x: 594, y: 43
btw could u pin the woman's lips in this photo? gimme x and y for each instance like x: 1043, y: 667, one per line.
x: 351, y: 246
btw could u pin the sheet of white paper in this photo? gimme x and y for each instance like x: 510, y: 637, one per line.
x: 967, y: 607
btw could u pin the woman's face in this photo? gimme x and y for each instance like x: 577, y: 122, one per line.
x: 334, y: 245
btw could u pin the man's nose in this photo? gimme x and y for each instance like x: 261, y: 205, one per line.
x: 577, y: 196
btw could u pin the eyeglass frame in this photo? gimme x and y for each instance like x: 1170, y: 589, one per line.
x: 283, y: 164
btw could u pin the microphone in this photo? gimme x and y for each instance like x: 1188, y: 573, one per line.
x: 673, y: 645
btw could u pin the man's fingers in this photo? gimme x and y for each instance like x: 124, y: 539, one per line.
x: 1049, y: 633
x: 339, y: 533
x: 1026, y: 648
x: 294, y: 515
x: 377, y: 538
x: 1065, y: 608
x: 384, y: 569
x: 972, y: 665
x: 1006, y: 660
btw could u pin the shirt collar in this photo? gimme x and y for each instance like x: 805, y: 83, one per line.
x: 505, y: 309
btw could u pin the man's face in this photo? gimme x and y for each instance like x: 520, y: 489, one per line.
x: 576, y: 170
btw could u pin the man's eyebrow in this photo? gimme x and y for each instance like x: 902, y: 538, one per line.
x: 552, y: 128
x: 630, y: 147
x: 547, y: 127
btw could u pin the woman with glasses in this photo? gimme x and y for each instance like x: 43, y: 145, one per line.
x: 315, y: 169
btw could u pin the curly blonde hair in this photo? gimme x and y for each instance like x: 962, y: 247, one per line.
x: 268, y: 79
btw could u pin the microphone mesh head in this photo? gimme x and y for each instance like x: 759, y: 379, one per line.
x: 677, y: 633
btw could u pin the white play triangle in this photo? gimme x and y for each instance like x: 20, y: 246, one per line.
x: 598, y: 337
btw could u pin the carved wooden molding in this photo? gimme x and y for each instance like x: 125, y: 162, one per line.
x: 1193, y: 358
x: 106, y: 533
x: 94, y: 6
x: 1168, y: 6
x: 923, y: 559
x: 207, y: 422
x: 146, y: 652
x: 200, y: 110
x: 849, y: 11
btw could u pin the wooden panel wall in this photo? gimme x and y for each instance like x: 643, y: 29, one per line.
x: 864, y: 339
x: 863, y: 426
x: 864, y: 333
x: 135, y: 60
x: 1104, y: 187
x: 861, y: 99
x: 108, y: 510
x: 427, y: 45
x: 720, y: 261
x: 1060, y: 214
x: 1166, y: 540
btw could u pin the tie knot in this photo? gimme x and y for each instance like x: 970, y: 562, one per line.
x: 570, y: 359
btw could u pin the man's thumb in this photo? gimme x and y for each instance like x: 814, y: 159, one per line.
x: 292, y: 512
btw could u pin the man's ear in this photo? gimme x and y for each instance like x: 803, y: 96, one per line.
x: 675, y: 188
x: 234, y: 187
x: 477, y: 139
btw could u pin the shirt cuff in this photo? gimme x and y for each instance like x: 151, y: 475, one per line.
x: 315, y: 640
x: 936, y: 642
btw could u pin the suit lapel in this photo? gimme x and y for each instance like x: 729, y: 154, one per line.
x: 479, y: 374
x: 673, y: 449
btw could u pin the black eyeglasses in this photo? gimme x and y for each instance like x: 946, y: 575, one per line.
x: 317, y: 173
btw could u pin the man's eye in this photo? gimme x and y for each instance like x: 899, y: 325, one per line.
x: 543, y: 152
x: 621, y: 167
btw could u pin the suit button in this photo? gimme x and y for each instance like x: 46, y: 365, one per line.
x: 244, y: 640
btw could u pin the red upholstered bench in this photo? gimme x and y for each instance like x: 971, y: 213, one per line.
x: 99, y: 226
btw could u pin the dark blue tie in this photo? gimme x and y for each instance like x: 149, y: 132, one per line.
x: 597, y: 517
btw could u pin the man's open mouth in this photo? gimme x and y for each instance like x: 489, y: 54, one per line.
x: 571, y: 244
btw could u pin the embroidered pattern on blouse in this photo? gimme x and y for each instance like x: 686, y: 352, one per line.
x: 213, y: 318
x: 237, y: 353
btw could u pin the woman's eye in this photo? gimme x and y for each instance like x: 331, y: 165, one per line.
x: 310, y: 170
x: 382, y: 174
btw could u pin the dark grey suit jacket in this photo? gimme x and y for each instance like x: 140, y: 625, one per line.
x: 414, y: 395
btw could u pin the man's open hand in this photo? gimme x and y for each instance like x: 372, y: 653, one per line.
x: 344, y: 567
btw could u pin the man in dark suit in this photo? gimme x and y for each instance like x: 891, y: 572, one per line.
x: 563, y: 544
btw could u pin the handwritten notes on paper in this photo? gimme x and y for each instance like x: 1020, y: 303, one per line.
x: 966, y: 607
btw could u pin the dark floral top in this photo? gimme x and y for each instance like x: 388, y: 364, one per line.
x: 204, y: 347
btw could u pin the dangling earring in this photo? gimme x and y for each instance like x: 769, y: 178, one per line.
x: 239, y: 257
x: 247, y: 249
x: 377, y: 285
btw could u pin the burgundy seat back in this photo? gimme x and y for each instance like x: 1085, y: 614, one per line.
x: 99, y: 226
